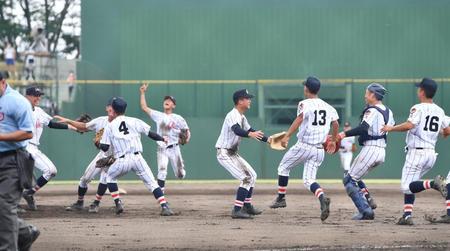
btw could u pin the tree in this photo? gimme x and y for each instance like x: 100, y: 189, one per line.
x: 58, y: 18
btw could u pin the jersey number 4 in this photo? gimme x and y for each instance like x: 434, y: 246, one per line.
x: 322, y: 114
x: 123, y: 128
x: 431, y: 124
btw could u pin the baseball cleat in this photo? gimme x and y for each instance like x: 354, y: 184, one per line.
x: 166, y: 211
x: 278, y: 203
x: 251, y: 210
x: 372, y: 203
x: 442, y: 219
x: 93, y: 208
x: 119, y: 207
x: 240, y: 214
x: 77, y: 206
x: 440, y: 185
x: 406, y: 221
x: 29, y: 198
x: 324, y: 208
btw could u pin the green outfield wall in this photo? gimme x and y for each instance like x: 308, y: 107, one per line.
x: 262, y: 42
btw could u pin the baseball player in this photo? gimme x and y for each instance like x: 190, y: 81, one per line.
x: 374, y: 116
x: 97, y: 125
x: 123, y: 134
x: 170, y: 125
x: 42, y: 162
x: 236, y: 126
x: 346, y: 149
x: 314, y: 117
x: 425, y: 121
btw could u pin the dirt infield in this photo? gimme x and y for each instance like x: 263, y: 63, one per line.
x: 203, y: 221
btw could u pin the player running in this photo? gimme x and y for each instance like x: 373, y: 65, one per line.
x: 314, y: 117
x: 42, y: 162
x: 374, y: 116
x: 423, y: 125
x: 123, y: 134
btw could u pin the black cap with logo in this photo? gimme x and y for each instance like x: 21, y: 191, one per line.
x: 237, y: 95
x: 33, y: 91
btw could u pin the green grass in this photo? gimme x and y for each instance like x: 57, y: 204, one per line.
x: 232, y: 181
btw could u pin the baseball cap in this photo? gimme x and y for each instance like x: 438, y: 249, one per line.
x: 119, y: 104
x: 378, y: 90
x: 171, y: 98
x: 428, y: 84
x: 34, y: 91
x: 313, y: 84
x: 239, y: 94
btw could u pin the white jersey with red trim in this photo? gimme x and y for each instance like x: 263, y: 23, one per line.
x: 317, y: 118
x: 428, y: 120
x: 40, y: 119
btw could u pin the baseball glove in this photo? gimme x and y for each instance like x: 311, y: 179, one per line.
x: 105, y: 162
x: 275, y: 141
x: 325, y: 145
x: 183, y: 136
x: 84, y: 118
x: 98, y: 137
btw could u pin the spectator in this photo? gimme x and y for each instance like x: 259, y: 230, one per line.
x: 10, y: 59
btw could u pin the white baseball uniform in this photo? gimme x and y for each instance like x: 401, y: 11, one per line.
x: 123, y: 134
x: 447, y: 123
x: 91, y: 171
x: 227, y: 150
x: 345, y: 152
x: 41, y: 161
x: 373, y: 152
x: 428, y: 120
x: 313, y: 131
x: 169, y: 125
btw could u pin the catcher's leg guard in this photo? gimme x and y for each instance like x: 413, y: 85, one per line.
x: 353, y: 191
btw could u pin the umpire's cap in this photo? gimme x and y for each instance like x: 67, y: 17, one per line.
x: 429, y: 85
x: 241, y: 94
x: 313, y: 84
x: 378, y: 90
x: 119, y: 105
x: 34, y: 91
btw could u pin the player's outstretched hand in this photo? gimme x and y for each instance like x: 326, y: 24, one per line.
x: 285, y: 141
x: 386, y: 128
x: 340, y: 136
x: 166, y: 139
x: 60, y: 119
x: 256, y: 135
x: 143, y: 88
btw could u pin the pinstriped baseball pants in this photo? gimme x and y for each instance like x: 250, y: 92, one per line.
x: 417, y: 163
x: 237, y: 167
x: 42, y: 162
x: 91, y: 172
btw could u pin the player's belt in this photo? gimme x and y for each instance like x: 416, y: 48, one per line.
x: 123, y: 156
x: 171, y: 146
x: 417, y: 148
x: 7, y: 153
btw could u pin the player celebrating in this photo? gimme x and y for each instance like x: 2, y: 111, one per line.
x: 313, y: 120
x: 374, y: 116
x: 423, y: 125
x: 236, y: 126
x: 123, y: 134
x: 171, y: 125
x: 42, y: 162
x: 97, y: 125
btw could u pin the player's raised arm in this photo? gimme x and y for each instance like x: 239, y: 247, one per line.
x: 143, y: 102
